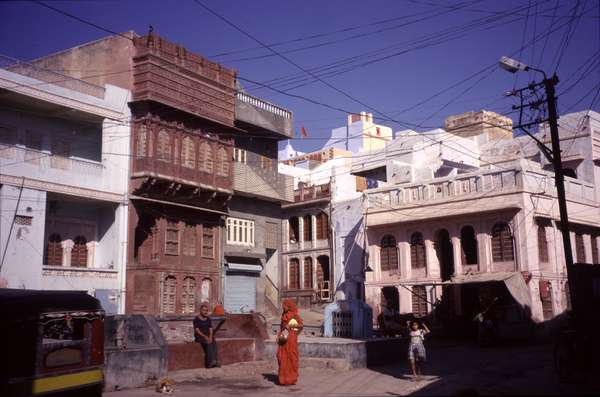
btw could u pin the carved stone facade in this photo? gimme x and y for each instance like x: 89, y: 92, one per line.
x: 167, y: 73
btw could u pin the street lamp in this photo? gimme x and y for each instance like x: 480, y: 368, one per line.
x: 549, y: 84
x: 512, y: 65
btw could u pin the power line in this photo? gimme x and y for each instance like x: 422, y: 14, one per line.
x: 67, y: 14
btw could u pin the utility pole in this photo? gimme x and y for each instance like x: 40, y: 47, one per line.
x: 559, y: 176
x: 554, y: 155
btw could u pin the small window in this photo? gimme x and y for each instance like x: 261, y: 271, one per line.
x: 419, y: 301
x: 188, y: 297
x: 208, y: 242
x: 79, y: 253
x: 580, y: 248
x: 222, y: 162
x: 163, y: 147
x: 205, y: 158
x: 172, y: 239
x: 54, y: 250
x: 294, y: 274
x: 542, y: 244
x: 239, y: 155
x: 417, y: 251
x: 388, y: 253
x: 322, y: 226
x: 502, y: 243
x: 308, y: 273
x: 240, y: 232
x: 189, y: 240
x: 23, y: 220
x: 307, y: 227
x: 169, y: 294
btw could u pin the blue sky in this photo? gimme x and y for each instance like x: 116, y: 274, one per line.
x: 391, y: 55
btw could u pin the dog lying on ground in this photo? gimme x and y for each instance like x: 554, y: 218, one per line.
x: 165, y: 386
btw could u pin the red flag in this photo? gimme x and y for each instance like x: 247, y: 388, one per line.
x: 303, y: 132
x: 378, y: 131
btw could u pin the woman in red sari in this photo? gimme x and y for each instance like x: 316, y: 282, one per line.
x: 287, y: 352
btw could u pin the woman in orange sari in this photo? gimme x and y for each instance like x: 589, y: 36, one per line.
x: 287, y: 337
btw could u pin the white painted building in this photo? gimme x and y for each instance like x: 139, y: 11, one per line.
x: 64, y: 167
x: 473, y: 202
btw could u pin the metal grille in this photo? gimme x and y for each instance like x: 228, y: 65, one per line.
x: 419, y: 300
x: 23, y: 220
x: 580, y: 248
x: 388, y: 253
x: 417, y: 251
x: 502, y: 244
x: 271, y: 235
x: 542, y: 244
x: 342, y: 324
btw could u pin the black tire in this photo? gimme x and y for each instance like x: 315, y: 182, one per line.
x: 565, y: 360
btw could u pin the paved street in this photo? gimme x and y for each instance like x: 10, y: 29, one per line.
x: 507, y: 371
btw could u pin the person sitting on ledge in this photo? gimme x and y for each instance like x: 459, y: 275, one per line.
x: 203, y: 334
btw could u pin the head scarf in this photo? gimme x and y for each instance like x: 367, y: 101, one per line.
x: 290, y: 311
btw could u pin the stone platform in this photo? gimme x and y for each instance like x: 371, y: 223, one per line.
x: 347, y: 353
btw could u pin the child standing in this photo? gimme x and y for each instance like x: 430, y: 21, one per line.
x: 416, y: 348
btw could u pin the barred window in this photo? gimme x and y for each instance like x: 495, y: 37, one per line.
x: 502, y: 243
x: 388, y: 253
x: 322, y: 226
x: 169, y: 294
x: 240, y: 232
x: 222, y: 162
x: 188, y: 295
x: 308, y: 228
x: 142, y: 142
x: 239, y: 155
x: 419, y: 300
x: 208, y: 242
x: 308, y: 273
x: 172, y: 239
x: 546, y: 298
x: 79, y: 253
x: 417, y: 251
x: 54, y: 250
x: 189, y: 240
x: 580, y: 248
x: 163, y: 147
x: 294, y: 274
x: 542, y: 244
x: 205, y: 158
x: 188, y: 153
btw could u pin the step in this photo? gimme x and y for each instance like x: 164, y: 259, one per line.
x: 336, y: 364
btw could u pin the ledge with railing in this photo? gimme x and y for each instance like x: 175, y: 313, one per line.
x: 308, y: 193
x: 264, y: 105
x: 50, y: 76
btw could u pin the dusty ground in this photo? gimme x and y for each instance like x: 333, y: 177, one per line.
x: 451, y: 369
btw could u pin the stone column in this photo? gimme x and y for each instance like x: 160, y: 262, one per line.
x: 67, y: 247
x: 301, y: 232
x: 91, y: 254
x: 484, y: 252
x: 457, y: 255
x: 313, y: 221
x: 404, y: 257
x: 587, y: 242
x: 432, y: 263
x: 286, y: 235
x: 597, y: 239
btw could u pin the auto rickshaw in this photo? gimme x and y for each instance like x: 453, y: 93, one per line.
x: 52, y: 343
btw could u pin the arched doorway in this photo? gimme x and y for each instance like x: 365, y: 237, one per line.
x: 323, y: 276
x: 391, y: 298
x: 445, y: 254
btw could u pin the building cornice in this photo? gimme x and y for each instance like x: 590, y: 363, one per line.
x: 62, y: 189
